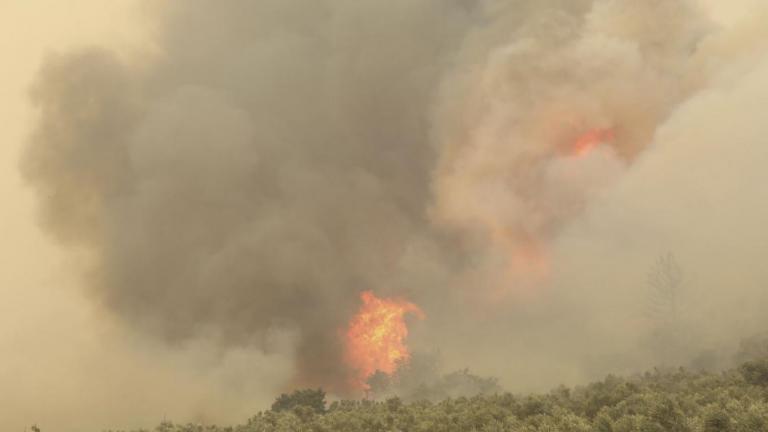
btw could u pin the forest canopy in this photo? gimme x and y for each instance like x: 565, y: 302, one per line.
x: 677, y: 400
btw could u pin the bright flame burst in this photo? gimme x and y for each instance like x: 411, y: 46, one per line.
x: 591, y: 139
x: 375, y: 336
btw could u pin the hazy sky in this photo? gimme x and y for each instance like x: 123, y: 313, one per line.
x: 49, y: 336
x: 60, y: 366
x: 60, y: 363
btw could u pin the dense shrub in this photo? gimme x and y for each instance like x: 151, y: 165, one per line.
x: 755, y: 372
x: 658, y: 401
x: 306, y: 401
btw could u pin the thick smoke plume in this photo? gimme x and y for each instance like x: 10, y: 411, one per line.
x: 268, y: 161
x: 512, y: 173
x: 266, y: 165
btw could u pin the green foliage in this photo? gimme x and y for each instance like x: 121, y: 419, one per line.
x: 717, y: 420
x: 658, y: 401
x: 755, y: 372
x: 303, y: 403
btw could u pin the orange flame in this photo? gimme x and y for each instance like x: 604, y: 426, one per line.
x: 375, y: 336
x: 591, y: 139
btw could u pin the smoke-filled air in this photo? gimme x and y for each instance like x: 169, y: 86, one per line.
x: 367, y: 196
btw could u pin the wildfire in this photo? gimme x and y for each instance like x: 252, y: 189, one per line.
x: 591, y: 139
x: 375, y: 336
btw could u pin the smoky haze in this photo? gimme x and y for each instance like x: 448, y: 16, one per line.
x: 267, y: 161
x: 264, y: 166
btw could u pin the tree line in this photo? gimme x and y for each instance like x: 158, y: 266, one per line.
x: 676, y: 400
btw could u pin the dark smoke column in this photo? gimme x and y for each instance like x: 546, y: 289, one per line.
x: 267, y: 164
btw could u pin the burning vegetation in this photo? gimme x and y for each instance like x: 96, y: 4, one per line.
x: 239, y: 185
x: 375, y: 337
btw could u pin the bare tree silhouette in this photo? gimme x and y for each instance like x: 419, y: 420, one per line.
x: 664, y: 281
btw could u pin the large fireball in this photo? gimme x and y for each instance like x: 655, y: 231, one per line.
x: 375, y: 336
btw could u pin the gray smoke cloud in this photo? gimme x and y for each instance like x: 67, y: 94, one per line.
x: 269, y: 160
x: 562, y: 244
x: 266, y: 164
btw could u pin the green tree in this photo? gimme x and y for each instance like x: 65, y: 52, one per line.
x: 314, y: 399
x: 717, y: 420
x: 755, y: 372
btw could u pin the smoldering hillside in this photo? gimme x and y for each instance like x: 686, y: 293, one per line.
x: 267, y: 161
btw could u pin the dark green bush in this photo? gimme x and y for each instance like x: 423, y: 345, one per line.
x: 314, y: 400
x: 659, y: 401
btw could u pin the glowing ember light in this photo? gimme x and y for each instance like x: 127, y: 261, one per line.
x: 529, y: 262
x: 375, y: 336
x: 591, y: 139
